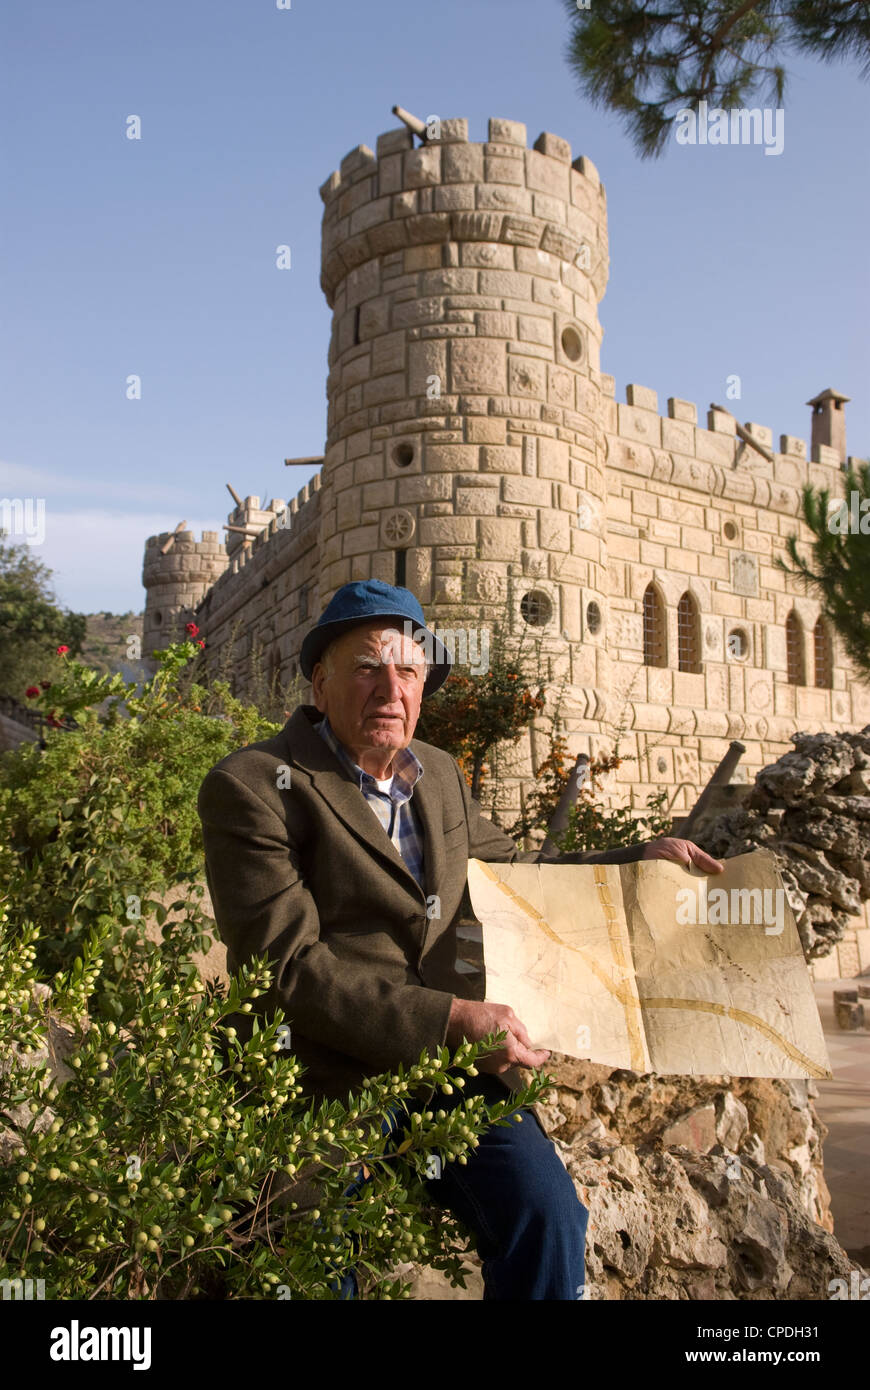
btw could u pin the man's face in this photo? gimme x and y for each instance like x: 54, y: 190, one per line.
x: 372, y: 697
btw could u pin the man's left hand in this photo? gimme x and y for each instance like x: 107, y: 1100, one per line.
x: 683, y: 852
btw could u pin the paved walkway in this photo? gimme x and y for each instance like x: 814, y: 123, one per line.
x: 844, y: 1106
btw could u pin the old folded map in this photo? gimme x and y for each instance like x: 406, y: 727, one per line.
x: 651, y: 966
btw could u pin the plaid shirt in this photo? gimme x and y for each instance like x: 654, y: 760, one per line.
x: 393, y: 808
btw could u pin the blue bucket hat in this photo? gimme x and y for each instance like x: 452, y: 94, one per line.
x: 363, y: 602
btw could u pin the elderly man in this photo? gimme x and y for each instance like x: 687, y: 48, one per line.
x: 339, y: 848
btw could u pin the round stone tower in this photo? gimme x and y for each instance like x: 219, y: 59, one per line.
x: 465, y: 452
x: 175, y: 579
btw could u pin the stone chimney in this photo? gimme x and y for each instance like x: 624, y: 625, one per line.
x: 829, y: 422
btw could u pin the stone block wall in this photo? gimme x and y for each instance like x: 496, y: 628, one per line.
x: 696, y: 510
x: 267, y: 597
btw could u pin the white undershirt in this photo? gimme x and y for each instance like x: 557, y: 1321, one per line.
x: 384, y: 786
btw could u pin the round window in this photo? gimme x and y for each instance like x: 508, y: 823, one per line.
x: 536, y: 607
x: 593, y: 617
x: 403, y: 455
x: 572, y: 344
x: 730, y: 531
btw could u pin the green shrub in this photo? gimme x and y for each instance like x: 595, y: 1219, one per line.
x: 591, y: 825
x: 106, y: 816
x: 159, y: 1168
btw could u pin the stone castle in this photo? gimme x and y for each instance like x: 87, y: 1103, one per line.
x: 475, y: 452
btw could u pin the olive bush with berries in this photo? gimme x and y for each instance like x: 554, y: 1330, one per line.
x: 161, y: 1157
x: 168, y: 1165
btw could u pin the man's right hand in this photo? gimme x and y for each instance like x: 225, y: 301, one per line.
x: 472, y: 1021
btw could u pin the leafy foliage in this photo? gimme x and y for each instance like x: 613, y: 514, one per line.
x: 552, y: 778
x: 470, y: 714
x: 247, y: 665
x: 590, y: 824
x: 177, y: 1163
x: 594, y: 826
x: 32, y: 624
x: 649, y: 60
x: 838, y: 569
x: 108, y: 813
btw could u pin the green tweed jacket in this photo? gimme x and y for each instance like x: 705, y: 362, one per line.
x: 307, y: 875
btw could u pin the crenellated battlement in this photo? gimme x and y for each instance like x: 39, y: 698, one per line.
x: 705, y: 458
x: 176, y: 558
x: 361, y: 161
x: 450, y: 190
x: 177, y: 571
x: 279, y: 518
x: 185, y: 538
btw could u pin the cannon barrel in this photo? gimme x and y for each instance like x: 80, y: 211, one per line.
x: 559, y: 818
x: 719, y: 777
x: 412, y: 122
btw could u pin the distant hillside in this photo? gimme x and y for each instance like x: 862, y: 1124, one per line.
x: 107, y: 642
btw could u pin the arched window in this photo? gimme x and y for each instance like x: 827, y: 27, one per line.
x: 688, y: 635
x: 654, y: 647
x: 794, y: 650
x: 824, y: 655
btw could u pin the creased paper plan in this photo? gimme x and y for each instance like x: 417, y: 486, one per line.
x: 645, y: 966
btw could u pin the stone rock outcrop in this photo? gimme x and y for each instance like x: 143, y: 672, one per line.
x: 697, y: 1188
x: 812, y: 809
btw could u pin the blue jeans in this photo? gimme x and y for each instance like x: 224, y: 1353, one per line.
x: 515, y: 1196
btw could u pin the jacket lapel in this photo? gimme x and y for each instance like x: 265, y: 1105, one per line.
x: 427, y: 803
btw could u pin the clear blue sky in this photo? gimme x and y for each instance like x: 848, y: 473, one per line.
x: 157, y: 256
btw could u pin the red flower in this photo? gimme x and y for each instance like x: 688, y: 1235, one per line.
x: 191, y: 629
x: 46, y: 685
x: 200, y: 643
x: 62, y: 651
x: 52, y: 722
x: 32, y: 691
